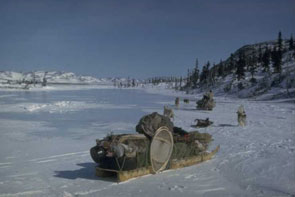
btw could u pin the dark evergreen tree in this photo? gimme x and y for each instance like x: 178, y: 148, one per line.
x: 211, y: 75
x: 280, y: 42
x: 220, y: 69
x: 240, y: 73
x: 180, y: 82
x: 195, y: 78
x: 195, y: 75
x: 133, y: 83
x: 276, y: 55
x: 175, y: 84
x: 188, y: 80
x: 252, y: 70
x: 253, y: 63
x: 291, y: 43
x: 205, y: 73
x: 276, y: 58
x: 255, y: 59
x: 231, y: 63
x: 128, y: 82
x: 259, y: 54
x: 266, y: 60
x: 44, y: 82
x: 34, y: 81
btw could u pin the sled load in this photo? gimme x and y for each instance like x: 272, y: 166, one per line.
x: 158, y: 146
x: 207, y: 102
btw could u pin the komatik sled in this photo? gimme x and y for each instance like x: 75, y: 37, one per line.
x: 159, y: 146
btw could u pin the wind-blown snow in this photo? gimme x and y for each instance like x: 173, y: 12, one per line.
x: 44, y: 146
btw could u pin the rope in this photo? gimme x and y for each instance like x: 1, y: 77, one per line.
x: 120, y: 167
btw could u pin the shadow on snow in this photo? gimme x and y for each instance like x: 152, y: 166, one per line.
x: 86, y: 172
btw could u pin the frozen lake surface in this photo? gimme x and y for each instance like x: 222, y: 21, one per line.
x: 45, y: 137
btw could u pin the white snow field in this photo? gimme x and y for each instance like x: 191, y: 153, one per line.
x: 45, y: 137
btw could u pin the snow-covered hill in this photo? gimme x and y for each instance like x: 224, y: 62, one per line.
x: 266, y: 85
x: 10, y: 79
x: 258, y: 82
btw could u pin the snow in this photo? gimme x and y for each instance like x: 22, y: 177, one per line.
x: 58, y: 107
x: 45, y: 137
x: 55, y: 77
x: 55, y: 80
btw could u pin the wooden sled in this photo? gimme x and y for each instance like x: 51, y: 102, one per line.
x: 181, y: 163
x: 123, y: 175
x: 174, y: 164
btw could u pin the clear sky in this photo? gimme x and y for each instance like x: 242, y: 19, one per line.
x: 136, y: 38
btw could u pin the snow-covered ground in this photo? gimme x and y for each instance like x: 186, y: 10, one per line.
x: 45, y: 137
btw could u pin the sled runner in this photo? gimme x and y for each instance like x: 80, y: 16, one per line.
x: 175, y: 164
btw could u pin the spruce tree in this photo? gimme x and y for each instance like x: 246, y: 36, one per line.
x: 202, y: 75
x: 188, y: 80
x: 180, y: 83
x: 211, y: 75
x: 133, y: 83
x: 221, y: 69
x: 252, y: 70
x: 240, y: 73
x: 266, y: 60
x: 175, y: 84
x: 254, y: 59
x: 231, y: 62
x: 276, y: 60
x: 259, y: 54
x: 280, y: 42
x: 252, y: 63
x: 195, y: 77
x: 128, y: 82
x: 205, y: 73
x: 291, y: 43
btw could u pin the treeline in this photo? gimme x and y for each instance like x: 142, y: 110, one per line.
x: 122, y: 83
x: 175, y: 82
x: 34, y: 80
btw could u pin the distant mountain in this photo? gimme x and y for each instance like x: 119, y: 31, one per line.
x: 20, y: 80
x: 51, y: 77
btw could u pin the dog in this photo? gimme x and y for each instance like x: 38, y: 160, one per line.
x: 241, y: 116
x: 203, y: 123
x: 168, y: 112
x: 177, y: 101
x: 186, y: 101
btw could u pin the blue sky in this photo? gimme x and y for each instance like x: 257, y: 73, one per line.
x: 136, y: 38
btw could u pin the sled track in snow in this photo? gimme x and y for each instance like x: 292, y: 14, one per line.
x: 48, y: 159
